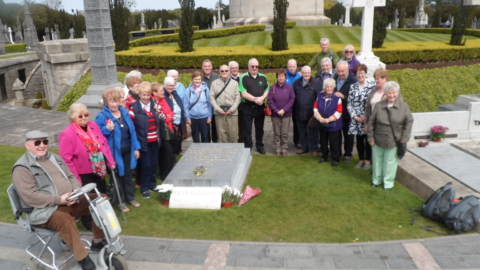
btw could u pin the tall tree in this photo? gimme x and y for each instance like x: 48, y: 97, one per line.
x: 53, y: 4
x: 379, y: 27
x: 460, y: 23
x: 185, y: 41
x: 279, y: 35
x: 119, y: 15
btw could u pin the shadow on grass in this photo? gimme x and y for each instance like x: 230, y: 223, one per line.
x: 301, y: 201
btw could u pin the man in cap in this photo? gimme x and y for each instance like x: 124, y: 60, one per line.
x: 44, y: 182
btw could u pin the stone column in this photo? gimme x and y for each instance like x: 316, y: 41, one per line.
x: 347, y: 4
x: 18, y: 88
x: 3, y: 42
x: 102, y: 52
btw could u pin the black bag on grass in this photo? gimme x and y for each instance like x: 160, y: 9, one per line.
x: 439, y: 202
x: 463, y: 216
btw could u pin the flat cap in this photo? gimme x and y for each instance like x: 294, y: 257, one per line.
x: 35, y: 134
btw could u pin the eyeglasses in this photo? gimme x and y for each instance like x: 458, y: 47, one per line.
x: 223, y: 71
x: 254, y: 66
x: 348, y: 51
x: 82, y: 115
x: 37, y: 143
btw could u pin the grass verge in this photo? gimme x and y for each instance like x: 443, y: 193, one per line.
x: 301, y: 201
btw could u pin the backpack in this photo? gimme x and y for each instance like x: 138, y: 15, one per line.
x: 439, y: 202
x: 463, y: 216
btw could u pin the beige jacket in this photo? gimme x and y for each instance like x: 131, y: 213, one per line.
x: 230, y: 97
x: 379, y: 130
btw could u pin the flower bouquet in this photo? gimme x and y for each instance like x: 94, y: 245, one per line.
x: 200, y: 170
x: 164, y: 191
x: 438, y: 132
x: 230, y: 196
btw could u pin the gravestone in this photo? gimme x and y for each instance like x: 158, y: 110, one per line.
x: 18, y: 31
x: 3, y: 41
x: 155, y: 25
x: 340, y: 21
x: 57, y: 32
x: 366, y: 55
x: 72, y: 33
x: 160, y: 23
x: 143, y: 26
x: 347, y: 4
x: 10, y: 34
x: 171, y: 24
x: 5, y: 34
x: 47, y: 33
x: 31, y: 37
x: 474, y: 23
x: 395, y: 19
x: 214, y: 23
x: 226, y: 163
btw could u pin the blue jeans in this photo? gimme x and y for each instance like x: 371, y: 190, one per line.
x: 200, y: 127
x: 308, y: 136
x: 148, y: 167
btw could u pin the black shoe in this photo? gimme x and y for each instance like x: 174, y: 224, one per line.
x: 298, y: 146
x: 373, y: 185
x: 87, y: 264
x: 97, y: 246
x: 322, y: 160
x: 335, y: 163
x: 261, y: 150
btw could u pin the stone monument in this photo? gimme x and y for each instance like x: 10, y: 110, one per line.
x: 340, y: 21
x: 30, y: 31
x: 57, y: 32
x: 160, y: 23
x: 143, y: 26
x: 18, y: 88
x: 214, y: 23
x: 10, y: 34
x: 3, y: 41
x: 72, y: 33
x: 219, y: 23
x: 18, y: 31
x: 366, y: 55
x: 47, y: 33
x: 347, y: 4
x: 421, y: 17
x: 245, y: 12
x: 155, y: 25
x: 474, y: 23
x: 171, y: 24
x: 84, y: 34
x: 5, y: 34
x: 395, y: 19
x: 102, y: 52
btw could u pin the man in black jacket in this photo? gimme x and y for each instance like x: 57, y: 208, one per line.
x: 344, y: 80
x: 306, y: 92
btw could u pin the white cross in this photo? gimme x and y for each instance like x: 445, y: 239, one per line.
x: 367, y: 22
x: 218, y: 9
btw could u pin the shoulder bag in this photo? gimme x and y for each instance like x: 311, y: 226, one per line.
x: 267, y: 110
x: 225, y: 108
x: 401, y: 147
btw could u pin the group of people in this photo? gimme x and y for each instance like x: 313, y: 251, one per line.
x: 141, y: 126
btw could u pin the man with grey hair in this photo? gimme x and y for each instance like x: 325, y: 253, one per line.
x: 254, y: 89
x: 344, y: 79
x: 208, y: 78
x: 326, y: 71
x: 292, y: 75
x: 235, y: 75
x: 325, y: 46
x: 44, y: 181
x: 133, y: 73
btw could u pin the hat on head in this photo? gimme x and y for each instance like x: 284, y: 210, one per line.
x: 35, y: 134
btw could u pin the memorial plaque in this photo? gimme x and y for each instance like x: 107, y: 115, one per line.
x: 196, y: 197
x: 226, y: 163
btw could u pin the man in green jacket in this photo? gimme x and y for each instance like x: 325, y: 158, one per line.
x: 316, y: 61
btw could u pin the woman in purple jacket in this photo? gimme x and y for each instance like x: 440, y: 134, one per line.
x: 280, y: 99
x: 348, y: 55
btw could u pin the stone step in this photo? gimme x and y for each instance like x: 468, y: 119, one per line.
x: 451, y: 107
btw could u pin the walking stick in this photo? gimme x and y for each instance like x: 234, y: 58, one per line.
x: 118, y: 192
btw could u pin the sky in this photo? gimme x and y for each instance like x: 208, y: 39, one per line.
x: 68, y: 5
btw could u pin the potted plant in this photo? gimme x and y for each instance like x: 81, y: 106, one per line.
x: 437, y: 133
x: 230, y: 196
x: 164, y: 192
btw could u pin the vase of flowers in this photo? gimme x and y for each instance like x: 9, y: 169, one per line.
x: 230, y: 196
x: 437, y: 133
x: 200, y: 170
x: 164, y: 192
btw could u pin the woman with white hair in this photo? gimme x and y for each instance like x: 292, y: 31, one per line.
x: 348, y: 55
x: 176, y: 106
x: 389, y: 115
x: 178, y: 86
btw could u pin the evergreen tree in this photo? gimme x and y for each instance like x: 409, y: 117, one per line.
x: 279, y: 35
x: 379, y: 27
x: 460, y: 24
x: 185, y: 41
x: 119, y: 15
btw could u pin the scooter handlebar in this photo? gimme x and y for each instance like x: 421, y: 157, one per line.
x: 85, y: 189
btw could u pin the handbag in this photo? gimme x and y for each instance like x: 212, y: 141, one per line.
x: 267, y: 110
x: 401, y: 147
x: 225, y: 108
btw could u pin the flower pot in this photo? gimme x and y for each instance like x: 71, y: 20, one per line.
x: 227, y: 204
x: 437, y: 140
x: 166, y: 203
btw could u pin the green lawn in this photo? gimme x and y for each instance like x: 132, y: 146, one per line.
x: 16, y: 55
x: 301, y: 201
x: 312, y: 35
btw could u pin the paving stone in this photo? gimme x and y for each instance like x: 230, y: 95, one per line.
x: 442, y: 241
x: 190, y: 258
x: 230, y: 260
x: 469, y: 262
x: 8, y: 264
x: 357, y: 263
x: 246, y: 249
x: 149, y: 256
x: 401, y: 264
x: 259, y: 262
x: 146, y: 244
x: 446, y: 262
x: 310, y: 263
x: 336, y: 251
x: 453, y: 250
x: 471, y: 239
x: 288, y: 251
x: 192, y: 247
x: 385, y: 252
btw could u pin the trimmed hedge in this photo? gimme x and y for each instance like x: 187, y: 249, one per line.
x: 198, y: 35
x: 13, y: 48
x: 447, y: 31
x: 395, y: 52
x: 290, y: 24
x: 159, y: 31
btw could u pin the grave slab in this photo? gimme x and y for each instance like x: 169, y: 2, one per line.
x: 226, y: 163
x: 457, y: 164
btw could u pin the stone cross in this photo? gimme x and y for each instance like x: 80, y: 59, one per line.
x: 72, y: 32
x: 347, y: 4
x: 219, y: 24
x: 366, y: 55
x: 47, y: 33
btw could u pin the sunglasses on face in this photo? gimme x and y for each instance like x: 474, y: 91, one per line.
x: 348, y: 51
x: 37, y: 143
x: 83, y: 115
x: 223, y: 71
x: 254, y: 66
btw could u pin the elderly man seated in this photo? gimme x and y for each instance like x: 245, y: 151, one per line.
x: 43, y: 181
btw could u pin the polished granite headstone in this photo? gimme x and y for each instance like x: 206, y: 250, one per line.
x: 226, y: 163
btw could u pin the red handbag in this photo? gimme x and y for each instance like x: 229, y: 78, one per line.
x: 267, y: 110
